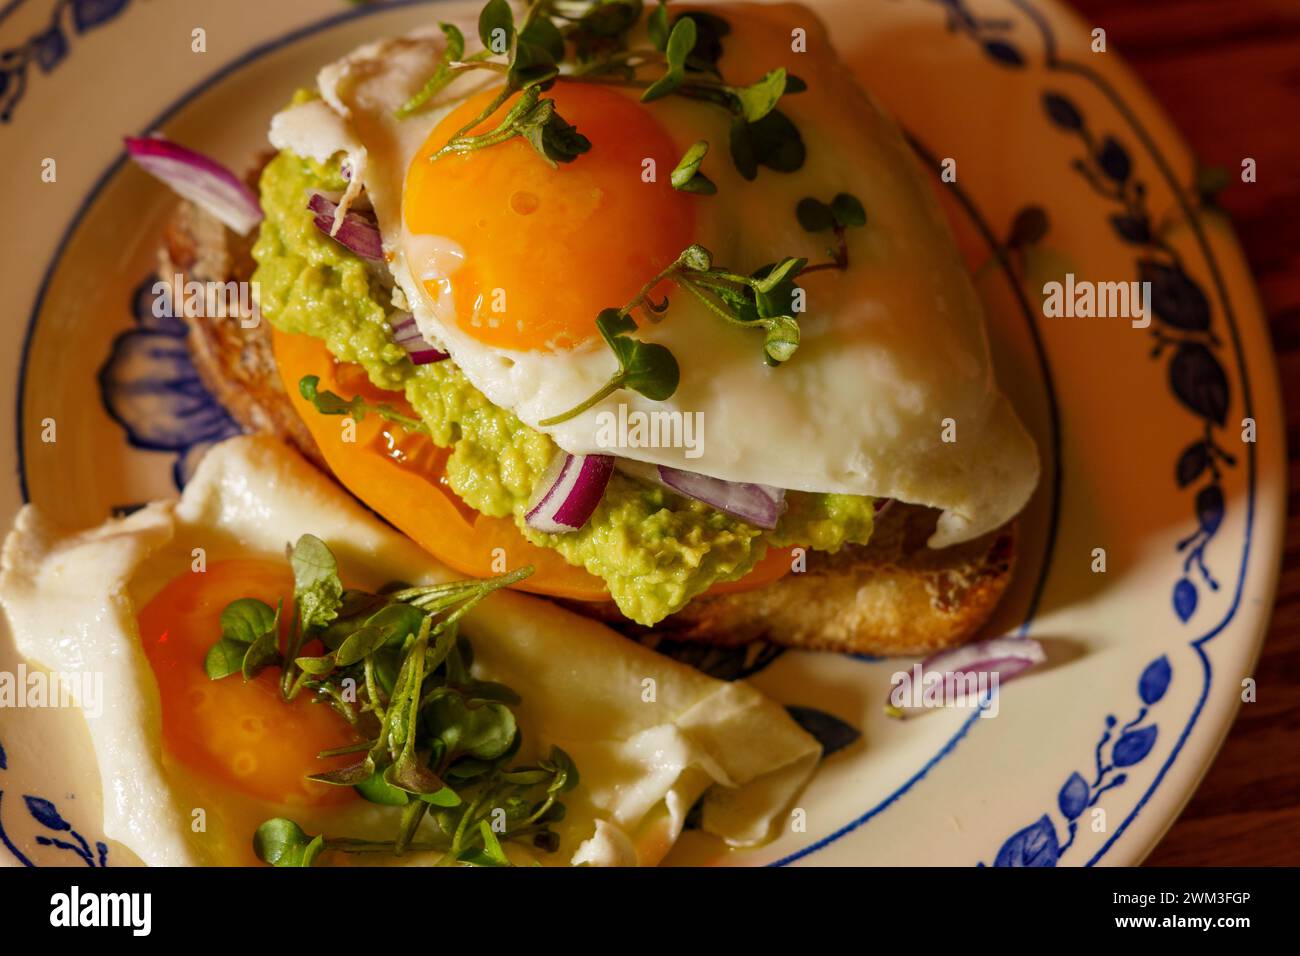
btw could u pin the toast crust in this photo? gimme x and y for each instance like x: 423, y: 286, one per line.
x: 892, y: 596
x: 235, y: 362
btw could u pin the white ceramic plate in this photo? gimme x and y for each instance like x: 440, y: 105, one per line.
x: 1146, y: 659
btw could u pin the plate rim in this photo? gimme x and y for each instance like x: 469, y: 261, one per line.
x: 1270, y: 387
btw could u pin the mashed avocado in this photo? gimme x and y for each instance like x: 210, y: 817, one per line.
x: 655, y: 550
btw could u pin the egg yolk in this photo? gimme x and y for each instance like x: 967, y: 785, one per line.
x: 241, y: 735
x: 546, y: 248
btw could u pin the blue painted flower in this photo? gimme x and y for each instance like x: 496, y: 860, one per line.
x: 150, y: 387
x: 1039, y: 844
x: 45, y: 813
x: 49, y: 47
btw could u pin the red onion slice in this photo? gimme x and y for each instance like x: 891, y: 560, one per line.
x: 569, y: 492
x: 759, y: 505
x: 358, y: 233
x: 1008, y: 657
x: 198, y: 178
x: 407, y: 334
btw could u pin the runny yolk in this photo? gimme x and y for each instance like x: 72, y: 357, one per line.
x: 241, y: 735
x: 545, y: 249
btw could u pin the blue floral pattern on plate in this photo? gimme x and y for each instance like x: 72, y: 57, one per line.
x: 1196, y: 377
x: 47, y: 815
x: 49, y: 47
x: 150, y: 387
x: 1038, y: 843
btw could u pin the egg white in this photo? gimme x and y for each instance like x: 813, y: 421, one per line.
x: 890, y: 349
x: 72, y: 601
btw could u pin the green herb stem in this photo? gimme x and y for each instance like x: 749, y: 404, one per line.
x: 606, y: 390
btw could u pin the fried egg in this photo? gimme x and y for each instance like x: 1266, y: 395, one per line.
x: 191, y: 766
x: 506, y: 262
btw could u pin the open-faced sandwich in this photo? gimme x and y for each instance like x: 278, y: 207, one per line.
x: 655, y: 300
x: 647, y: 310
x: 356, y: 700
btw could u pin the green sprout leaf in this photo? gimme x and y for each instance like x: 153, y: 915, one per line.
x: 349, y: 776
x: 329, y: 403
x: 316, y: 666
x: 657, y: 26
x: 611, y: 18
x: 772, y: 142
x: 554, y: 139
x: 453, y: 51
x: 565, y: 770
x: 281, y: 842
x: 775, y: 275
x: 446, y: 797
x: 649, y: 369
x: 543, y: 33
x: 496, y: 26
x: 246, y: 619
x: 361, y: 643
x: 759, y: 99
x: 686, y: 176
x: 250, y: 633
x: 482, y: 729
x: 536, y: 120
x: 490, y: 854
x: 848, y: 211
x: 317, y: 589
x: 843, y: 212
x: 224, y: 658
x: 645, y: 367
x: 814, y: 215
x: 709, y: 31
x: 764, y: 300
x: 264, y: 651
x: 532, y: 65
x: 696, y: 258
x: 378, y: 790
x: 681, y: 41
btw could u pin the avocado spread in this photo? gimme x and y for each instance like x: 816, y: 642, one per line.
x: 655, y: 549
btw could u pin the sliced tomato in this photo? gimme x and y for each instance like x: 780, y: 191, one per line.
x: 403, y: 477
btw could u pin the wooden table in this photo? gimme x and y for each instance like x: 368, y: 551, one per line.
x: 1228, y: 72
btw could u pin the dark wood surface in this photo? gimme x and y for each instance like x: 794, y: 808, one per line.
x: 1228, y: 72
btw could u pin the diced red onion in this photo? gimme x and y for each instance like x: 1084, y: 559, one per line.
x: 407, y: 334
x: 198, y: 178
x: 880, y: 505
x: 759, y: 505
x: 1008, y: 657
x: 358, y: 233
x: 569, y: 493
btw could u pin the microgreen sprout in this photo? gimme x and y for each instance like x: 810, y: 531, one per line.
x: 842, y: 213
x: 681, y: 41
x: 686, y: 176
x: 764, y: 299
x: 331, y: 403
x: 532, y: 52
x: 438, y: 741
x: 644, y: 367
x: 587, y: 41
x: 452, y: 52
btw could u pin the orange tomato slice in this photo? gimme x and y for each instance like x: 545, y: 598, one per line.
x: 402, y: 476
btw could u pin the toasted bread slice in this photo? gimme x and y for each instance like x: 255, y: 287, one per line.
x: 235, y: 363
x: 892, y: 596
